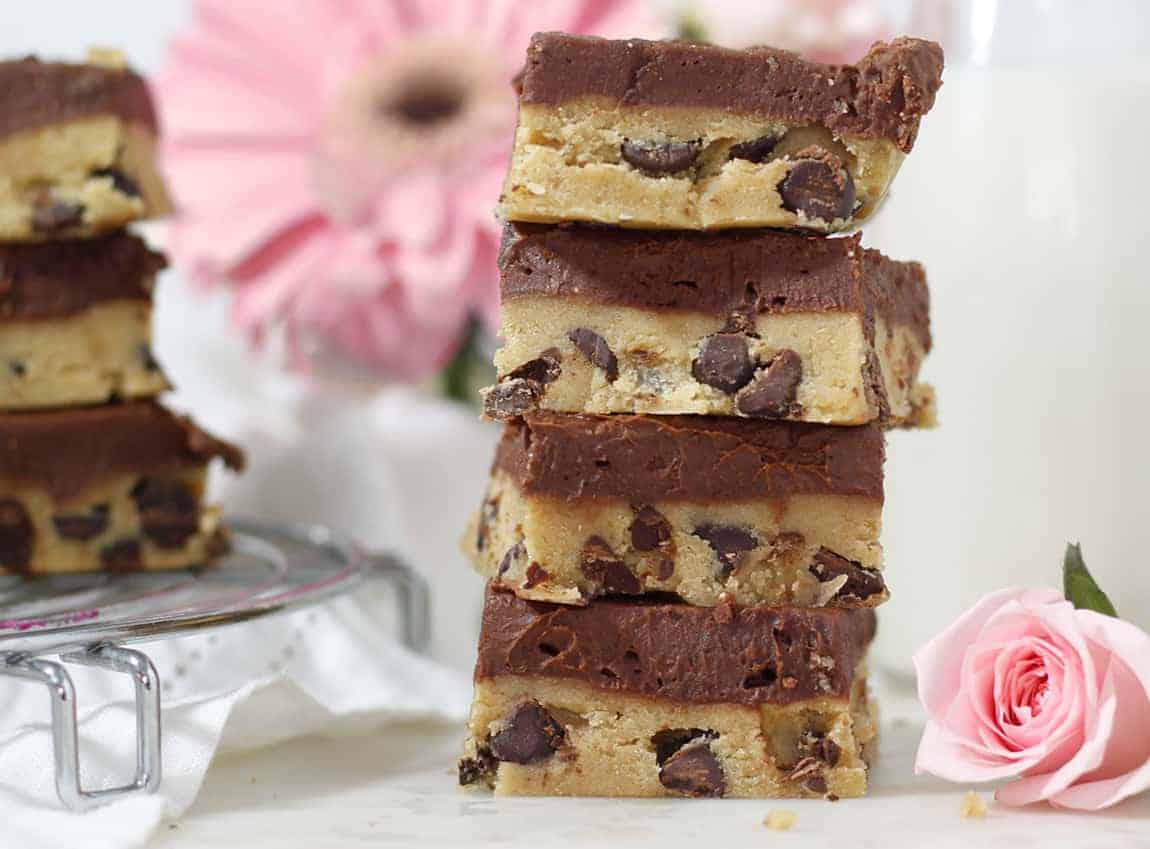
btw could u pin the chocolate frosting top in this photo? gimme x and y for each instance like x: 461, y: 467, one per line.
x: 68, y: 450
x: 678, y: 652
x: 733, y: 271
x: 34, y: 94
x: 885, y: 95
x: 51, y: 279
x: 696, y: 458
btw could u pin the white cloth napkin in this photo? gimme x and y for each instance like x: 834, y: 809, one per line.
x: 397, y: 470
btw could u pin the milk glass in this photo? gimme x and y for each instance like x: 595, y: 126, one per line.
x: 1027, y: 198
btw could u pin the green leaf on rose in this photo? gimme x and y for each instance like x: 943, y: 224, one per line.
x: 1079, y: 586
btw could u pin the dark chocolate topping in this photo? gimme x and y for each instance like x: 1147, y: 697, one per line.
x: 51, y: 279
x: 68, y: 450
x: 884, y: 96
x: 34, y: 94
x: 733, y: 271
x: 678, y: 652
x: 696, y: 458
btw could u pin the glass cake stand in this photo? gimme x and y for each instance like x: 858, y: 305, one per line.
x: 88, y: 618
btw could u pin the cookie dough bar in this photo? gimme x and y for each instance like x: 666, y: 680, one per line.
x: 741, y: 323
x: 672, y: 134
x: 634, y: 699
x: 75, y: 322
x: 118, y: 487
x: 77, y: 149
x: 705, y: 508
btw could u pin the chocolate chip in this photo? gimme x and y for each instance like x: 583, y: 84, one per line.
x: 755, y: 150
x: 805, y: 769
x: 771, y: 395
x: 513, y: 554
x: 694, y: 770
x: 816, y: 784
x: 16, y: 535
x: 650, y: 530
x: 829, y: 751
x: 657, y: 158
x: 544, y: 369
x: 666, y: 569
x: 50, y: 215
x: 534, y: 576
x: 529, y: 735
x: 169, y: 511
x: 488, y: 513
x: 17, y: 368
x: 595, y: 348
x: 511, y: 398
x: 122, y: 556
x: 82, y: 526
x: 670, y: 740
x: 479, y: 768
x: 729, y: 544
x: 861, y: 584
x: 819, y: 188
x: 147, y: 359
x: 122, y: 183
x: 724, y: 362
x: 606, y: 570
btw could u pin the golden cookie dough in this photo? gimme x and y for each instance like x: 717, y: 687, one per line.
x: 570, y: 162
x: 610, y: 744
x: 655, y: 354
x: 101, y: 353
x: 809, y: 550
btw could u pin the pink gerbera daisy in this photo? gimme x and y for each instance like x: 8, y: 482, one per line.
x: 337, y: 161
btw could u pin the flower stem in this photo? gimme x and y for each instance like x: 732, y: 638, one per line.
x: 469, y: 369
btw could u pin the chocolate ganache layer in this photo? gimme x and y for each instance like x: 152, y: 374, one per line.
x: 736, y: 271
x: 54, y: 279
x: 884, y: 95
x: 68, y: 450
x: 696, y: 458
x: 672, y: 651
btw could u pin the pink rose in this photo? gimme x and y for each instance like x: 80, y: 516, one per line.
x: 1024, y: 685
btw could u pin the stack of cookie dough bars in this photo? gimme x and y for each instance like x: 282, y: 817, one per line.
x: 94, y: 472
x: 681, y: 530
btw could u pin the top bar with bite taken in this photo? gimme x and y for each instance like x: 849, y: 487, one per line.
x: 679, y: 135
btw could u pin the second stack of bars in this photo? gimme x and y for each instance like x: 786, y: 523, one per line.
x: 681, y: 533
x: 95, y: 474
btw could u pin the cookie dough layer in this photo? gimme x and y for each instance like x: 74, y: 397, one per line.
x: 128, y: 523
x: 612, y: 321
x: 115, y: 487
x: 681, y: 135
x: 810, y: 550
x: 88, y: 358
x: 600, y: 700
x: 78, y: 178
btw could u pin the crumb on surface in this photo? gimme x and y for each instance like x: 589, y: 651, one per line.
x: 107, y: 57
x: 973, y: 806
x: 779, y: 820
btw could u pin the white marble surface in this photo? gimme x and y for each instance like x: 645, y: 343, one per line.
x: 401, y: 791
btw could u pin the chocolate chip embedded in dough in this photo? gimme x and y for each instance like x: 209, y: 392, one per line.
x: 50, y: 215
x: 819, y: 188
x: 658, y: 158
x: 529, y: 735
x: 606, y: 570
x: 122, y: 556
x: 516, y: 552
x: 816, y: 784
x: 694, y: 770
x: 17, y: 535
x: 122, y: 183
x: 544, y: 369
x: 535, y: 575
x: 772, y: 392
x: 755, y: 150
x: 169, y: 511
x: 146, y: 357
x: 479, y: 768
x: 649, y: 530
x: 509, y: 399
x: 17, y: 368
x: 861, y: 584
x: 724, y: 362
x: 488, y: 513
x: 729, y: 544
x: 82, y: 526
x: 595, y: 348
x: 829, y: 751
